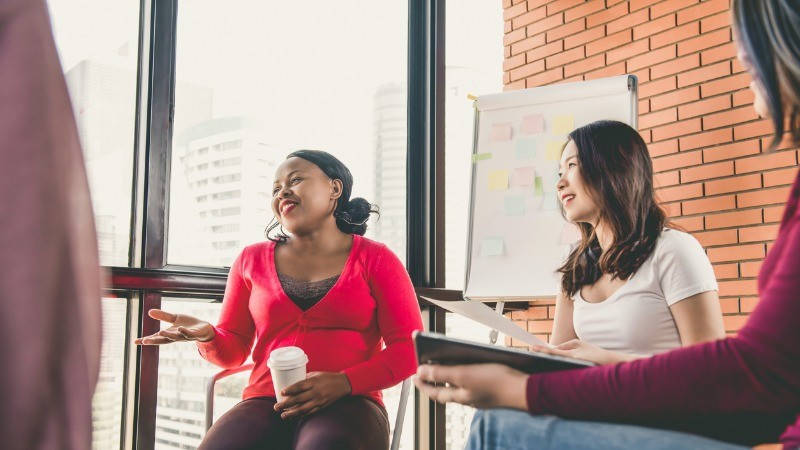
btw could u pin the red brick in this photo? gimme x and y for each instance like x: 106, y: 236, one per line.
x: 657, y: 87
x: 584, y: 66
x: 753, y: 129
x: 707, y: 171
x: 608, y: 71
x: 528, y: 18
x: 543, y: 78
x: 766, y: 161
x: 675, y: 97
x: 704, y: 9
x: 644, y: 106
x: 704, y: 41
x: 527, y: 70
x: 544, y: 51
x: 719, y: 237
x: 654, y: 26
x: 561, y: 5
x: 559, y: 59
x: 607, y: 15
x: 585, y: 9
x: 672, y: 209
x: 780, y: 177
x: 728, y: 305
x: 689, y: 223
x: 514, y: 36
x: 734, y: 323
x: 514, y: 61
x: 642, y: 75
x: 733, y: 219
x: 743, y: 97
x: 773, y: 214
x: 729, y: 117
x: 735, y: 150
x: 651, y: 58
x: 658, y: 118
x: 507, y: 3
x: 711, y: 204
x: 506, y: 78
x: 532, y: 313
x: 733, y: 184
x: 704, y: 107
x: 723, y: 52
x: 716, y: 21
x: 540, y: 326
x: 583, y: 37
x: 738, y: 288
x: 748, y: 304
x: 671, y: 162
x: 627, y: 51
x: 507, y: 51
x: 706, y: 139
x: 527, y: 44
x: 736, y: 252
x: 675, y: 66
x: 514, y: 11
x: 717, y: 70
x: 726, y: 271
x: 663, y: 148
x: 545, y: 24
x: 751, y: 268
x: 608, y: 42
x: 513, y: 86
x: 737, y: 66
x: 669, y: 6
x: 507, y: 26
x: 627, y: 21
x: 785, y: 143
x: 763, y: 197
x: 566, y: 30
x: 666, y: 179
x: 755, y: 234
x: 681, y: 192
x: 675, y: 34
x: 639, y: 4
x: 676, y: 129
x: 727, y: 84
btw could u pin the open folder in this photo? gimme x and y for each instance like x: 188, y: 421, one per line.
x: 481, y: 313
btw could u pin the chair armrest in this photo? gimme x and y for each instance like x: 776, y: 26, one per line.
x: 212, y: 382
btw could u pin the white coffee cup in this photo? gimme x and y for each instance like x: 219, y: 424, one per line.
x: 288, y: 366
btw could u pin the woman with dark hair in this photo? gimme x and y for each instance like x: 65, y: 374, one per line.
x: 632, y: 287
x: 742, y: 390
x: 321, y: 287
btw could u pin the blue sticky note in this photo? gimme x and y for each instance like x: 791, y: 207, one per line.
x: 525, y: 149
x: 514, y: 205
x: 492, y: 246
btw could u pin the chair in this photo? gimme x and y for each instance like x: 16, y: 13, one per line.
x: 398, y: 423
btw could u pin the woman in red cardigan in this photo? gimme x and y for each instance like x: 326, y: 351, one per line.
x: 742, y: 390
x: 321, y: 287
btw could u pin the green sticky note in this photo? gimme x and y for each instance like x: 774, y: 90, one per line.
x: 514, y: 205
x: 492, y: 246
x: 498, y: 180
x: 481, y: 157
x: 525, y: 148
x: 538, y: 188
x: 563, y: 124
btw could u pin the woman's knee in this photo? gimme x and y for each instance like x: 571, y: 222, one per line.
x: 505, y: 428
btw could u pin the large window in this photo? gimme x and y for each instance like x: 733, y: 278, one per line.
x: 107, y: 404
x: 473, y: 65
x: 257, y: 80
x: 97, y: 42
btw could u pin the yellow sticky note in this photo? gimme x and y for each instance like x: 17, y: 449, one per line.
x: 498, y: 180
x: 554, y: 150
x: 563, y: 124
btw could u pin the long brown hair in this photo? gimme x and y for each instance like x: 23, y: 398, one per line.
x: 616, y: 168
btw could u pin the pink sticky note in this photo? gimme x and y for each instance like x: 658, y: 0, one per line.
x: 523, y: 176
x: 501, y: 132
x: 533, y: 124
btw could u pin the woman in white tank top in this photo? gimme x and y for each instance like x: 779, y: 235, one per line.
x: 632, y: 286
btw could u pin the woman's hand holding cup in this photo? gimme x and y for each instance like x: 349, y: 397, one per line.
x: 184, y: 328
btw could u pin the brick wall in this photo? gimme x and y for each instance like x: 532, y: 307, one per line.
x: 713, y: 173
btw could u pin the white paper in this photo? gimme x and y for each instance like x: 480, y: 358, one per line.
x: 481, y: 313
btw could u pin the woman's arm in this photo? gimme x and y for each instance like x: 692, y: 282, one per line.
x: 563, y: 327
x: 699, y: 318
x: 398, y: 316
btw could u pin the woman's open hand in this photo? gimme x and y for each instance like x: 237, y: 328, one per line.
x: 317, y: 391
x: 579, y: 349
x: 476, y: 385
x: 184, y: 328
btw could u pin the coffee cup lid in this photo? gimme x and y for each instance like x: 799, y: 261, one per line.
x: 287, y: 358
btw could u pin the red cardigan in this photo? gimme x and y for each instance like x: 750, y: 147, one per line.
x: 372, y: 303
x: 744, y: 388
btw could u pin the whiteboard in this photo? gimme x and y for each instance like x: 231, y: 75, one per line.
x: 517, y: 237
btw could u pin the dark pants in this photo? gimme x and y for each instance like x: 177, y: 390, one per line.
x: 350, y: 423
